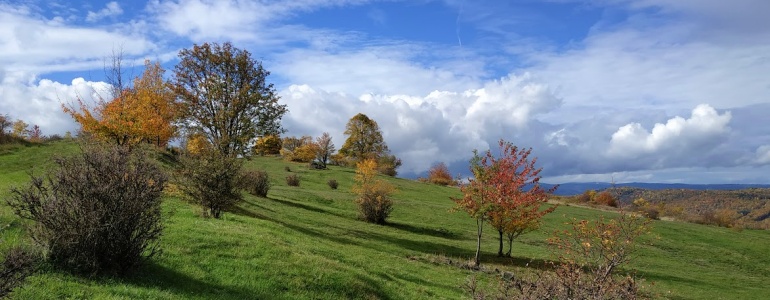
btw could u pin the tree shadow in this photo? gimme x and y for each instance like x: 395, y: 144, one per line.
x: 439, y: 232
x: 413, y: 245
x: 154, y: 276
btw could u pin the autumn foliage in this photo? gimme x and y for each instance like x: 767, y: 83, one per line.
x: 506, y: 192
x: 373, y: 195
x: 439, y: 174
x: 144, y: 113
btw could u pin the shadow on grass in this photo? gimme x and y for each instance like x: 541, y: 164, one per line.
x: 309, y: 208
x: 426, y: 247
x: 440, y: 232
x: 154, y: 276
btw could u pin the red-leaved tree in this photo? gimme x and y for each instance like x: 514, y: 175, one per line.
x: 518, y: 194
x: 505, y: 191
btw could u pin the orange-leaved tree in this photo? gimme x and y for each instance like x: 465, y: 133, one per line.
x: 374, y: 195
x: 518, y: 195
x: 144, y: 113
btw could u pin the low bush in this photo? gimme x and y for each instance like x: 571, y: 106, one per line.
x: 256, y: 183
x: 97, y: 212
x: 373, y: 201
x: 292, y: 180
x: 439, y: 174
x: 211, y: 181
x: 333, y: 184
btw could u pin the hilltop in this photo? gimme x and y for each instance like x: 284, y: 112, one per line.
x: 306, y: 242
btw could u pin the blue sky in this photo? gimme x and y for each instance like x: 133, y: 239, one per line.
x: 630, y: 90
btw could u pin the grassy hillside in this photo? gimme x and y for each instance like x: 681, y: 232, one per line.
x: 305, y: 242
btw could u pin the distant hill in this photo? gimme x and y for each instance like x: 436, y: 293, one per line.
x: 575, y: 188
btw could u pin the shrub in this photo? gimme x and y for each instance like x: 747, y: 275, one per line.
x: 98, y: 212
x: 16, y: 266
x: 292, y: 180
x: 333, y: 184
x: 373, y: 201
x: 605, y: 198
x: 588, y: 257
x: 211, y: 181
x: 315, y: 165
x: 256, y: 183
x: 439, y: 174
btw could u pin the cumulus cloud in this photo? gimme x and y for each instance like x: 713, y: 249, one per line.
x: 763, y: 155
x: 441, y: 126
x: 42, y: 100
x: 112, y: 9
x: 679, y: 135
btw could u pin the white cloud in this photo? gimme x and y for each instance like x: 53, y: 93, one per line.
x: 112, y: 9
x: 705, y: 126
x: 442, y: 126
x: 383, y: 69
x: 763, y: 155
x: 39, y: 102
x: 201, y: 20
x: 31, y: 43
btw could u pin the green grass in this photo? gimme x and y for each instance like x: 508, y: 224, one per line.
x: 306, y: 242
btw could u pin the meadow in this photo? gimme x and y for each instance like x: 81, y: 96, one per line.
x: 306, y: 242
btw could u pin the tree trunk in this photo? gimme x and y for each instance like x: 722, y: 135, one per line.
x: 510, y: 244
x: 500, y: 249
x: 479, y: 228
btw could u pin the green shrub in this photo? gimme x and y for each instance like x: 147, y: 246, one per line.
x: 97, y: 212
x: 256, y: 183
x: 211, y: 181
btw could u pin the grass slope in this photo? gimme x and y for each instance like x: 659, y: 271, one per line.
x: 305, y: 242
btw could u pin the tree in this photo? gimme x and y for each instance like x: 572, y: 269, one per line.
x: 154, y: 104
x: 143, y: 113
x: 439, y: 174
x: 325, y: 148
x: 5, y: 124
x: 518, y: 195
x: 477, y: 197
x: 20, y: 129
x: 364, y: 139
x: 373, y: 200
x: 35, y: 135
x: 505, y: 190
x: 223, y: 94
x: 299, y: 149
x: 268, y: 145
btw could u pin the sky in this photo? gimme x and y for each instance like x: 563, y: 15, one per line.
x: 601, y: 90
